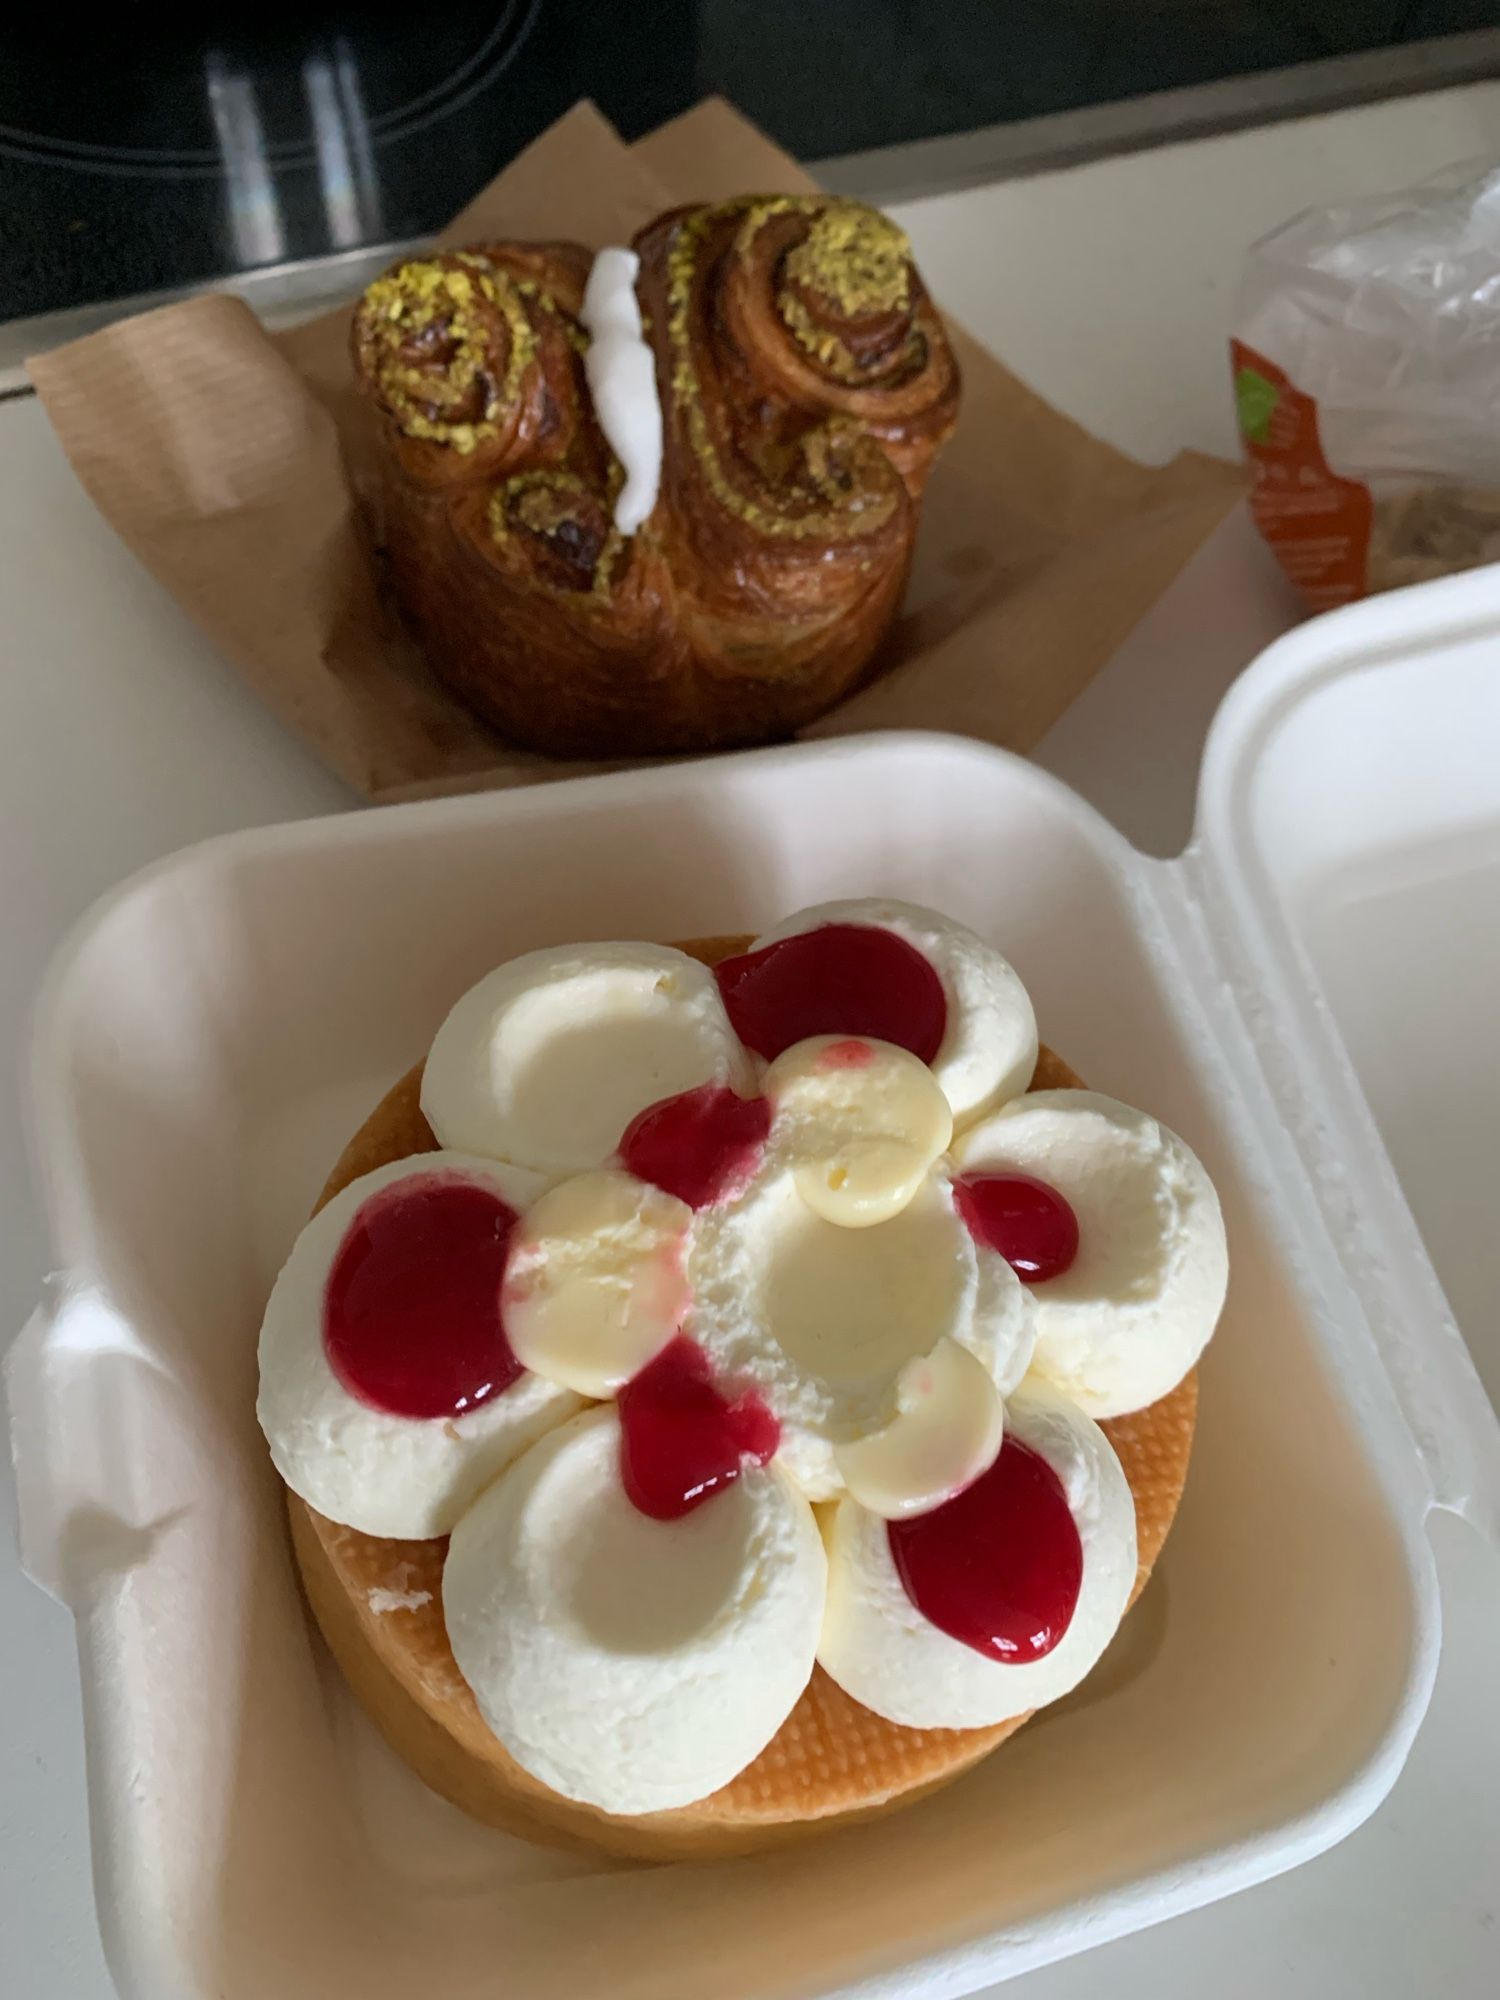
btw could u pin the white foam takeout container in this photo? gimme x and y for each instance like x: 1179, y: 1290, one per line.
x: 214, y: 1031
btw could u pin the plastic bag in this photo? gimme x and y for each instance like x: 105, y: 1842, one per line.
x: 1367, y: 383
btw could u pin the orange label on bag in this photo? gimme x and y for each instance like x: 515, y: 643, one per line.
x: 1317, y: 524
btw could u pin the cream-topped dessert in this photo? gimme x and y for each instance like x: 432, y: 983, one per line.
x: 800, y: 1232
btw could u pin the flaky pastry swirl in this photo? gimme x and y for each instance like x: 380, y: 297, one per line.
x: 806, y: 387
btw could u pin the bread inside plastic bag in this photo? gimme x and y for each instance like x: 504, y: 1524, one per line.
x: 1367, y: 382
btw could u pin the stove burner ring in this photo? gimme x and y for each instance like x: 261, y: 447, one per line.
x: 501, y: 45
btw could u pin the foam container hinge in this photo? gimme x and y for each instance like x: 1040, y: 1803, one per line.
x: 215, y: 1029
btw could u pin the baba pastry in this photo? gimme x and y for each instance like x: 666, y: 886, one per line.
x: 663, y: 499
x: 724, y: 1391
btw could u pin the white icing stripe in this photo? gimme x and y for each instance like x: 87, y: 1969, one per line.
x: 621, y: 371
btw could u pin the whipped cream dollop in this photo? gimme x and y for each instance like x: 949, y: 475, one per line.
x: 1125, y: 1322
x: 989, y: 1048
x: 621, y: 373
x: 359, y: 1464
x: 891, y: 1658
x: 545, y: 1062
x: 629, y: 1663
x: 822, y: 1319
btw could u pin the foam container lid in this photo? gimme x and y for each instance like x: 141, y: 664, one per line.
x: 1311, y: 983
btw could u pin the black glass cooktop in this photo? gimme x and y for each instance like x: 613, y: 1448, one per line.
x: 136, y: 155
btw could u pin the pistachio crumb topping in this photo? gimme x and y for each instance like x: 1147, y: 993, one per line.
x: 833, y: 454
x: 452, y: 303
x: 856, y: 258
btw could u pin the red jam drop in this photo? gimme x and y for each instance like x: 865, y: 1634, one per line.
x: 681, y: 1438
x: 851, y: 1053
x: 701, y: 1146
x: 411, y: 1310
x: 840, y: 979
x: 1000, y: 1565
x: 1029, y: 1223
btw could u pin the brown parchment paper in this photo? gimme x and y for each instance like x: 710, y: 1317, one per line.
x: 230, y: 460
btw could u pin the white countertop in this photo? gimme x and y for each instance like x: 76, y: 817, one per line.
x: 122, y: 736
